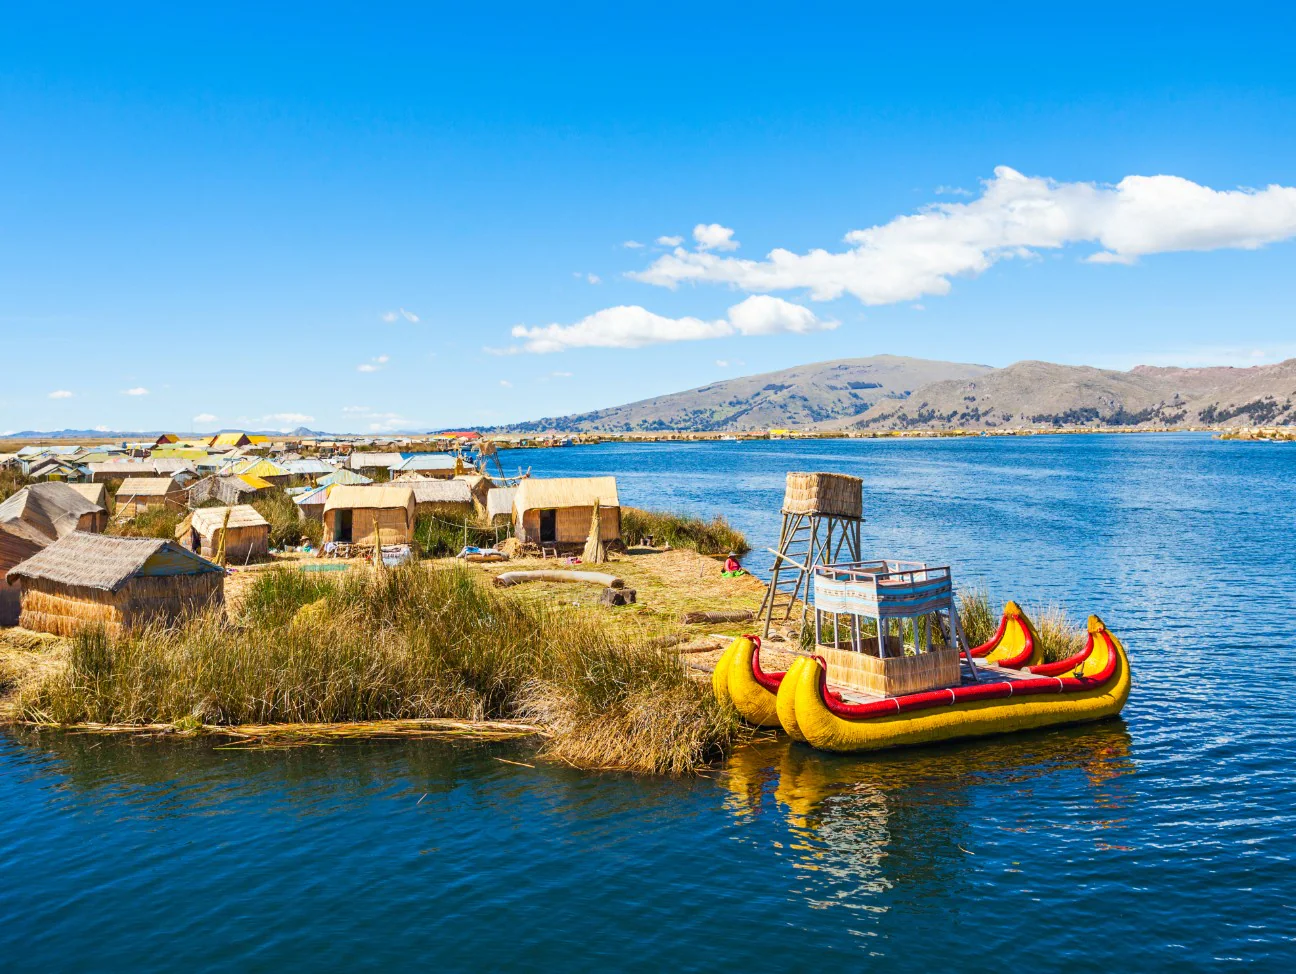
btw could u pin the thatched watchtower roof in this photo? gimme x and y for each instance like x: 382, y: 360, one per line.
x: 106, y: 562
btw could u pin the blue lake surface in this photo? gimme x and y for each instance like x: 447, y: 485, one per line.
x: 1161, y: 840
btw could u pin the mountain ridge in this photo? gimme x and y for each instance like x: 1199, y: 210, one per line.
x: 886, y: 392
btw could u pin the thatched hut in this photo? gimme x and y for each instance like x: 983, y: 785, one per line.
x: 139, y: 494
x: 480, y: 486
x: 448, y: 499
x: 227, y: 490
x: 33, y: 519
x: 354, y: 515
x: 499, y: 505
x: 246, y: 533
x: 96, y: 494
x: 88, y: 579
x: 558, y: 511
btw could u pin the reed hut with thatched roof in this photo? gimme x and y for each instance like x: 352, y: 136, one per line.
x: 139, y: 494
x: 499, y: 505
x: 96, y: 494
x: 33, y: 519
x: 356, y: 515
x: 89, y: 579
x: 450, y: 499
x: 559, y: 511
x: 246, y: 534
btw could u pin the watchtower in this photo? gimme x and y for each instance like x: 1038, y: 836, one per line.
x: 822, y: 514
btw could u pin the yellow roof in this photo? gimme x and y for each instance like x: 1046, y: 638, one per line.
x: 257, y: 438
x: 230, y: 439
x: 256, y: 483
x: 261, y: 468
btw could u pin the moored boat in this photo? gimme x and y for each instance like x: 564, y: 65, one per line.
x: 1002, y: 687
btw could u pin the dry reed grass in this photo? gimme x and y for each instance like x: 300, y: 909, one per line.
x: 714, y: 537
x: 409, y: 643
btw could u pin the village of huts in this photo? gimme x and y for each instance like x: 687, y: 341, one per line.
x: 119, y: 534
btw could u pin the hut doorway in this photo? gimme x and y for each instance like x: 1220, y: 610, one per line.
x: 342, y: 526
x: 548, y: 526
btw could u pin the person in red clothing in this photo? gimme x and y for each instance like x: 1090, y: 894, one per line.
x: 731, y: 567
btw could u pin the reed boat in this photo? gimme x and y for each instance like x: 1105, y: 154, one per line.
x: 1002, y: 686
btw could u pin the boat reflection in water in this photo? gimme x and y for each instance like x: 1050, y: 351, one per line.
x: 870, y: 832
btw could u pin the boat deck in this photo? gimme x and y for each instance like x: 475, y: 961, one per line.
x: 987, y: 673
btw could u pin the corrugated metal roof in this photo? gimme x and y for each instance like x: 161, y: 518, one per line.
x: 425, y: 461
x: 345, y: 477
x: 361, y: 461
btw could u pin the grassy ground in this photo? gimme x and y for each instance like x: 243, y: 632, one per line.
x: 428, y: 640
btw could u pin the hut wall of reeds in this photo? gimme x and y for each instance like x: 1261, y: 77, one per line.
x: 89, y: 579
x: 824, y: 493
x: 356, y: 514
x: 448, y: 499
x: 560, y: 510
x: 246, y: 533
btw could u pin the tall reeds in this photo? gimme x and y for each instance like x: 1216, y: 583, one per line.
x: 714, y: 537
x: 412, y: 642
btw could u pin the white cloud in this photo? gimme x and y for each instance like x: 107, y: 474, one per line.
x: 391, y: 316
x: 632, y: 244
x: 60, y: 394
x: 356, y: 409
x: 1015, y: 216
x: 103, y: 429
x: 506, y: 384
x: 594, y: 278
x: 953, y: 191
x: 722, y: 363
x: 374, y: 364
x: 383, y: 359
x: 366, y: 367
x: 291, y: 419
x: 204, y: 418
x: 137, y: 391
x: 630, y: 326
x: 712, y: 236
x: 561, y: 375
x: 670, y: 241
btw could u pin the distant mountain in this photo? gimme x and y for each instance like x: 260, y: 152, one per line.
x: 1043, y: 394
x: 887, y: 392
x: 800, y: 397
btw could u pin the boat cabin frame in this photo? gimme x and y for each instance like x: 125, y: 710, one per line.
x: 886, y: 593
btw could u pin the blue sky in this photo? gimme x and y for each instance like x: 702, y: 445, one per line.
x: 235, y: 213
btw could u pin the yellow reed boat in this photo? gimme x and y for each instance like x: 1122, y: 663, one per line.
x: 1001, y: 687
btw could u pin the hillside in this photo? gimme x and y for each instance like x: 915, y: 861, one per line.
x: 800, y: 397
x: 1043, y: 394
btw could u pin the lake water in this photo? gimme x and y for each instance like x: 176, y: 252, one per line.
x: 1162, y: 840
